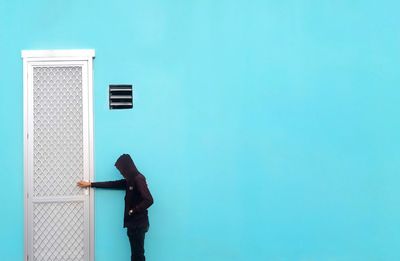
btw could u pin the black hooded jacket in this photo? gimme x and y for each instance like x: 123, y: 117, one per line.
x: 137, y: 195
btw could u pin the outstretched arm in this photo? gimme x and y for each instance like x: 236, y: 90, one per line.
x: 117, y: 184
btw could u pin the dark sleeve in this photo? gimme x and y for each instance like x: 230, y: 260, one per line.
x: 147, y: 198
x: 117, y: 184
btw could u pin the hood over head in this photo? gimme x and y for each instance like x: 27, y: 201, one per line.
x: 126, y: 166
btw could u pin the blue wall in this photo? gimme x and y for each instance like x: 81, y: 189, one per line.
x: 268, y: 130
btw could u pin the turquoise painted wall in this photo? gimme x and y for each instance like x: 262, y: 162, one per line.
x: 268, y: 130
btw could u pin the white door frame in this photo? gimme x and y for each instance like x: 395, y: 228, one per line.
x: 38, y: 57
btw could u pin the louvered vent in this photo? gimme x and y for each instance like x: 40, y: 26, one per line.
x: 121, y: 96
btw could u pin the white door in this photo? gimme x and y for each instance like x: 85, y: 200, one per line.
x: 58, y: 153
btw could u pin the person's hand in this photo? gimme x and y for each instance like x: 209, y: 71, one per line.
x: 83, y: 184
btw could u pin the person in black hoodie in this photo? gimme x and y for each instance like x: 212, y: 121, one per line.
x: 137, y: 200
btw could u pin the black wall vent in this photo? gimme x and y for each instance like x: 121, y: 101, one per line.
x: 121, y: 96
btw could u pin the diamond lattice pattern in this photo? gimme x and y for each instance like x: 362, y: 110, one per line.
x: 58, y: 231
x: 58, y: 140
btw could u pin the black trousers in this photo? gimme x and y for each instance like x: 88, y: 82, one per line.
x: 136, y: 239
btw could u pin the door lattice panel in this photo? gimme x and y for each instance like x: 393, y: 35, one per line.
x: 58, y: 150
x: 58, y: 141
x: 58, y: 231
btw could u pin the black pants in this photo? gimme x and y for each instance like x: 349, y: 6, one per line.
x: 136, y: 239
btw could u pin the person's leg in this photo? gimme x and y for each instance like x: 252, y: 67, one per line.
x: 130, y: 236
x: 136, y: 239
